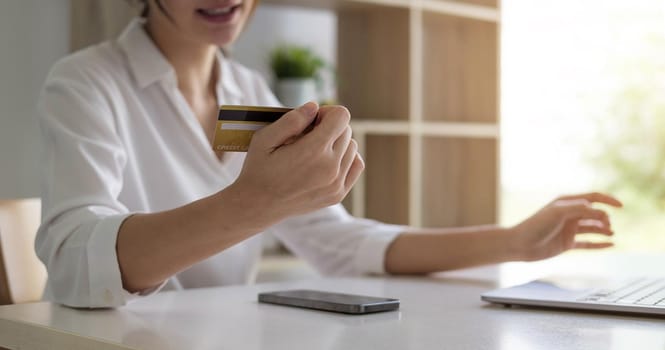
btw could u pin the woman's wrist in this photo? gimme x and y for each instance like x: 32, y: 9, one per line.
x: 515, y: 247
x: 250, y: 209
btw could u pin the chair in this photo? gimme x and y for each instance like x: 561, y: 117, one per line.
x: 22, y: 275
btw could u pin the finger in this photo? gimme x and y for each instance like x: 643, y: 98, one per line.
x: 591, y: 222
x: 288, y: 127
x: 595, y: 197
x: 594, y: 226
x: 594, y: 223
x: 341, y: 145
x: 580, y: 211
x: 348, y: 158
x: 356, y: 169
x: 591, y: 245
x: 333, y: 122
x: 595, y: 229
x: 597, y: 215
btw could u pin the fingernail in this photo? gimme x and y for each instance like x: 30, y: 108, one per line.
x: 309, y: 108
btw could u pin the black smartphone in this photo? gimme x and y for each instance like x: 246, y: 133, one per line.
x: 328, y: 301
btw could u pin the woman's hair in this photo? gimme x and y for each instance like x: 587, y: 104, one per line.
x: 146, y: 8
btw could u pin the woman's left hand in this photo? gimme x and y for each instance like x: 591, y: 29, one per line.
x: 553, y: 229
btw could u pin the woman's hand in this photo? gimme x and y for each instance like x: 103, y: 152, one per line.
x: 287, y: 172
x: 553, y: 229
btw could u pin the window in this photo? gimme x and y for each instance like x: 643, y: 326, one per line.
x: 583, y: 108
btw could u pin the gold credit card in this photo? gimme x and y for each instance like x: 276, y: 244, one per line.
x: 236, y: 125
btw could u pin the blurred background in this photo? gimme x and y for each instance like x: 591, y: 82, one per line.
x: 473, y: 111
x: 582, y: 108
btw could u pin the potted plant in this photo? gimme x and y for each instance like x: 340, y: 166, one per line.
x: 297, y: 70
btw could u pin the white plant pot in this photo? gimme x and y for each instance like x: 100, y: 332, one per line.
x: 293, y: 92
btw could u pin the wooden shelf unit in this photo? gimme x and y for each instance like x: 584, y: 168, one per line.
x: 421, y: 78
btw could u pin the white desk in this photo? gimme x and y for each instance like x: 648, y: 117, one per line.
x: 443, y: 311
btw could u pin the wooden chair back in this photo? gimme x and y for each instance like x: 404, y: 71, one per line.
x: 22, y: 275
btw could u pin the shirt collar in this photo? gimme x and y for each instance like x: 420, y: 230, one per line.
x: 148, y: 64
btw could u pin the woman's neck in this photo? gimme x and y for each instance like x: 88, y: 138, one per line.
x: 194, y: 63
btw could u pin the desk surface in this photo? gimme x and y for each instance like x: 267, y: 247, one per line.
x: 439, y: 311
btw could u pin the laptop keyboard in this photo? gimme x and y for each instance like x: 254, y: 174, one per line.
x: 644, y: 291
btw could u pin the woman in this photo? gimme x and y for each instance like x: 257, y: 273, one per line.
x: 135, y: 199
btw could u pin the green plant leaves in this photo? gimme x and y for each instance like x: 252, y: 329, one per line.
x: 291, y: 61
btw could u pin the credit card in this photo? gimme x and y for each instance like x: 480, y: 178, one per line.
x: 237, y: 124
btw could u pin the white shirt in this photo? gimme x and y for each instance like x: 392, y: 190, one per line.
x: 120, y: 139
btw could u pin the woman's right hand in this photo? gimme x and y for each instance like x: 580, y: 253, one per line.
x: 287, y: 172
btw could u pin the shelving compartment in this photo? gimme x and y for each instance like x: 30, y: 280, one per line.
x: 386, y: 187
x: 373, y: 61
x: 460, y: 181
x: 461, y: 63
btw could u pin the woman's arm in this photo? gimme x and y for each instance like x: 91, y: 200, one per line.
x: 549, y: 232
x: 95, y: 249
x: 153, y: 247
x: 277, y: 181
x: 421, y: 251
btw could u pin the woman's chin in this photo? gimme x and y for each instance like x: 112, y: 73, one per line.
x: 220, y: 43
x: 222, y: 39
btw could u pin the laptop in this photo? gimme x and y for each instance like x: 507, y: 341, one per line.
x: 644, y: 295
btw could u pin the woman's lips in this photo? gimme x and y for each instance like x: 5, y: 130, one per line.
x: 220, y: 14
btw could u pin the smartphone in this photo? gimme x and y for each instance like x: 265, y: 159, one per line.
x: 328, y: 301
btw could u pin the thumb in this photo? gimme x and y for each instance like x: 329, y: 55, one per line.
x: 289, y: 126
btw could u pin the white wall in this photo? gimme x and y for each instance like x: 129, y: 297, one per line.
x: 33, y: 35
x: 273, y: 25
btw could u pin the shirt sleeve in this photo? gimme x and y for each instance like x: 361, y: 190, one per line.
x: 330, y: 239
x: 336, y: 243
x: 83, y: 163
